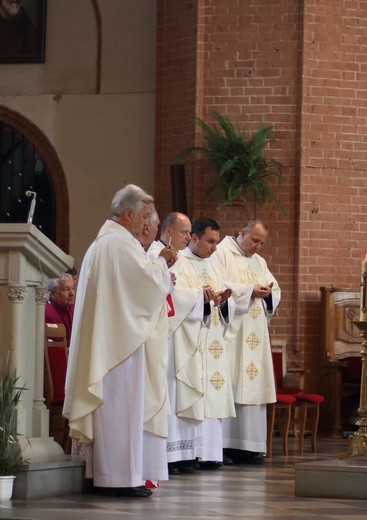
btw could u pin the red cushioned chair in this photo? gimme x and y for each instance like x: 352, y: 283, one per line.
x: 280, y: 372
x: 308, y: 408
x: 306, y: 405
x: 279, y: 414
x: 56, y: 353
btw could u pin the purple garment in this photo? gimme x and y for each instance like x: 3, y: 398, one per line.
x: 55, y: 313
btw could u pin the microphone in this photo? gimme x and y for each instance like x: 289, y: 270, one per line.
x: 33, y: 205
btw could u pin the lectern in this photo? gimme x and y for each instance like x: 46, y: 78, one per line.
x: 27, y: 260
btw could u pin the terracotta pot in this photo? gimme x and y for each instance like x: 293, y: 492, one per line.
x: 238, y: 202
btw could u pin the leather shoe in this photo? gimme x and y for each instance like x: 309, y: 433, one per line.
x: 227, y: 461
x: 210, y: 464
x: 185, y: 466
x: 245, y: 457
x: 185, y: 470
x: 255, y: 459
x: 134, y: 492
x: 180, y: 467
x: 173, y: 469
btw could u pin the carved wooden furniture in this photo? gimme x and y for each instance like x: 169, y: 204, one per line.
x: 341, y: 360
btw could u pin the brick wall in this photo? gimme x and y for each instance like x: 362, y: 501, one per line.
x: 176, y: 89
x: 333, y: 161
x: 302, y: 67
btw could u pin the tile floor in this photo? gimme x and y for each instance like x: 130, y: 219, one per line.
x: 246, y: 492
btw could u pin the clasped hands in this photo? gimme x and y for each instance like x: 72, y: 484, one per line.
x: 169, y: 253
x: 217, y: 297
x: 262, y: 291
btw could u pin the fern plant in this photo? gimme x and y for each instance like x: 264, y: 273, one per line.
x: 11, y: 459
x: 243, y: 170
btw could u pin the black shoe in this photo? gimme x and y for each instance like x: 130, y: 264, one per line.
x: 210, y: 465
x: 244, y: 456
x: 227, y: 461
x: 134, y: 492
x: 173, y: 469
x: 186, y: 470
x: 255, y: 460
x: 250, y: 457
x: 185, y: 466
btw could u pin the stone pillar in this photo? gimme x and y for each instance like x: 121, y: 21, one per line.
x: 16, y: 295
x: 41, y: 417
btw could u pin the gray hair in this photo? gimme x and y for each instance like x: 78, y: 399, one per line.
x: 53, y: 283
x: 130, y: 197
x: 169, y: 220
x: 153, y: 216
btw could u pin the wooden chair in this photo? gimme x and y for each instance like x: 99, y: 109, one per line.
x: 56, y: 353
x: 306, y: 406
x: 282, y: 372
x: 306, y: 415
x: 279, y: 414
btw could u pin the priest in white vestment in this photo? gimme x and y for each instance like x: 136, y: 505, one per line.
x: 184, y: 442
x: 204, y: 390
x: 120, y: 311
x: 148, y: 235
x: 249, y: 344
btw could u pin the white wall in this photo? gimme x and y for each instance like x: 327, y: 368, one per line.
x: 103, y: 140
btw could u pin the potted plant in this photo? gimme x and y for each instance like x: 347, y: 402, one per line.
x: 243, y: 170
x: 11, y: 459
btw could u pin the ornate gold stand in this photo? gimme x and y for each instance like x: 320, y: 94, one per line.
x: 358, y: 440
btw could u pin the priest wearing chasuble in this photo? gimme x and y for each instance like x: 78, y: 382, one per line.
x: 249, y: 344
x: 184, y: 441
x: 204, y: 390
x: 120, y: 307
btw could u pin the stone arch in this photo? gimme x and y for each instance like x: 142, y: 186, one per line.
x: 49, y: 157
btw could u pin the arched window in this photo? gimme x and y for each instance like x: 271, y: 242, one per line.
x: 22, y: 169
x: 28, y: 162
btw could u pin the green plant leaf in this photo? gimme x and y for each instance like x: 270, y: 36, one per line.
x: 11, y: 459
x: 241, y: 165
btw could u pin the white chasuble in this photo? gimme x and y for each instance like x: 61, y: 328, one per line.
x: 249, y: 349
x: 119, y: 304
x: 156, y: 400
x: 201, y: 362
x: 184, y: 435
x: 154, y: 249
x: 184, y: 328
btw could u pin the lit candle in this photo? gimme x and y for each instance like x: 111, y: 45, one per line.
x: 363, y: 311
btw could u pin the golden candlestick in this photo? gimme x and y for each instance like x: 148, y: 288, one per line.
x: 358, y: 440
x: 363, y: 284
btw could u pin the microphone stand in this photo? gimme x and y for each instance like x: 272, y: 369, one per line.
x: 31, y: 209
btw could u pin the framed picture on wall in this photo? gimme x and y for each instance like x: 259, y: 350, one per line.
x: 22, y: 31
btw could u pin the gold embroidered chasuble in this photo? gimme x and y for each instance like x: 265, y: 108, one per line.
x: 203, y: 388
x: 184, y: 328
x: 249, y: 351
